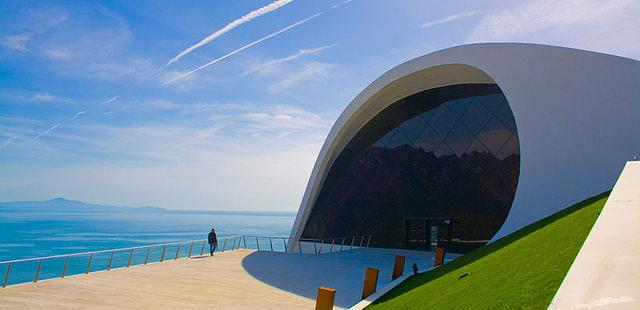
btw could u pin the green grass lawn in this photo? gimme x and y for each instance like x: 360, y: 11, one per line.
x: 520, y: 271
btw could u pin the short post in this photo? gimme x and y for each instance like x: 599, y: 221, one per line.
x: 315, y: 249
x: 325, y: 298
x: 146, y: 258
x: 342, y: 245
x: 321, y: 244
x: 110, y: 261
x: 178, y: 251
x: 398, y: 267
x: 89, y: 264
x: 6, y: 275
x: 164, y: 249
x: 190, y: 249
x: 439, y: 259
x: 285, y: 244
x: 352, y: 241
x: 64, y: 268
x: 331, y: 246
x: 244, y: 240
x: 257, y: 244
x: 361, y: 241
x: 224, y: 245
x: 271, y: 244
x: 368, y: 240
x: 233, y: 246
x: 130, y: 256
x: 202, y: 249
x: 299, y: 246
x: 370, y: 282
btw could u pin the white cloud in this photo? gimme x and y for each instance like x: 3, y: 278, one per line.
x: 310, y: 71
x: 605, y: 26
x: 269, y: 65
x: 447, y: 19
x: 16, y: 42
x: 44, y: 97
x: 244, y: 19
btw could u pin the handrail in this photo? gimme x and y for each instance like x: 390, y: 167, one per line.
x: 238, y: 241
x: 106, y: 251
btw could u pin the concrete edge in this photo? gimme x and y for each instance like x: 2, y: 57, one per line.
x: 385, y: 289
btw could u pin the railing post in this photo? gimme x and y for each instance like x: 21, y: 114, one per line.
x: 202, y: 249
x: 299, y: 246
x: 331, y: 246
x: 190, y: 249
x: 245, y: 241
x: 284, y: 241
x: 315, y: 249
x: 321, y: 244
x: 89, y: 264
x: 342, y: 245
x: 164, y: 249
x: 234, y: 244
x: 35, y: 279
x: 146, y: 258
x: 178, y: 251
x: 64, y: 268
x: 224, y: 245
x: 110, y: 260
x: 352, y: 241
x: 368, y: 240
x: 271, y: 244
x: 257, y: 244
x: 130, y: 256
x: 6, y: 275
x: 361, y: 241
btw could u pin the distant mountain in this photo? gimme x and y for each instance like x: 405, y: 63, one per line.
x: 65, y: 205
x: 60, y: 205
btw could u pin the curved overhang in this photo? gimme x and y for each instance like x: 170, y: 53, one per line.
x: 575, y: 111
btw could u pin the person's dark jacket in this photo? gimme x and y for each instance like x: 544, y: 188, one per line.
x: 213, y: 238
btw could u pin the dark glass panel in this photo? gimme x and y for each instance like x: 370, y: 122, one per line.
x: 413, y: 127
x: 428, y: 140
x: 446, y: 153
x: 494, y: 135
x: 443, y: 121
x: 476, y: 117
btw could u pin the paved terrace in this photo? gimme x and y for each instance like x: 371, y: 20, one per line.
x: 240, y: 279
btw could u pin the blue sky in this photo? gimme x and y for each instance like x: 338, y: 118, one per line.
x: 85, y: 113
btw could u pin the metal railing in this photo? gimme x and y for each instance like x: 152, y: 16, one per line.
x: 157, y: 253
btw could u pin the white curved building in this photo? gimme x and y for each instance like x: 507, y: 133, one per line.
x: 470, y: 143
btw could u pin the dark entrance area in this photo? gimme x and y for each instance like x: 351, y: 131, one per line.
x: 425, y: 234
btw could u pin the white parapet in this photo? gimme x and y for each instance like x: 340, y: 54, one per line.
x: 606, y: 272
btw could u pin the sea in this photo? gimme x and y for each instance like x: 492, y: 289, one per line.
x: 39, y: 234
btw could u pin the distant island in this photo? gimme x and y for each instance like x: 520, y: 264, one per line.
x: 63, y: 205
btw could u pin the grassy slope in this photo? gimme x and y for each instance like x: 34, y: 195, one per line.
x: 521, y: 270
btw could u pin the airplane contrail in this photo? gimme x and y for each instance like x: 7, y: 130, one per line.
x: 298, y: 23
x: 298, y: 54
x: 52, y: 128
x: 230, y: 26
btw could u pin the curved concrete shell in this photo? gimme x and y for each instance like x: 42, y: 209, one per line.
x: 577, y: 116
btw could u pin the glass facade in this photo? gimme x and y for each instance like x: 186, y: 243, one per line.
x: 437, y: 167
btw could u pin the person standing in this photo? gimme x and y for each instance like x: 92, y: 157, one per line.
x: 213, y: 241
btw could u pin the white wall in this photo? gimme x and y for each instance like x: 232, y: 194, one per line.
x: 577, y: 112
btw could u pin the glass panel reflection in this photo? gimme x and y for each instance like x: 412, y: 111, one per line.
x: 443, y: 162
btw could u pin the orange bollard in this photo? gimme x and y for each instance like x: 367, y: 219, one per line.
x: 370, y: 282
x: 325, y: 299
x: 398, y: 267
x: 439, y: 260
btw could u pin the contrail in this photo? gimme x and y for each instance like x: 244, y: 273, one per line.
x: 230, y: 26
x: 298, y: 23
x: 110, y: 100
x: 57, y: 125
x: 298, y: 54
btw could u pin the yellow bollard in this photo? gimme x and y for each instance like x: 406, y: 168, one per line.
x: 325, y: 299
x: 370, y: 282
x: 439, y: 260
x: 398, y: 267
